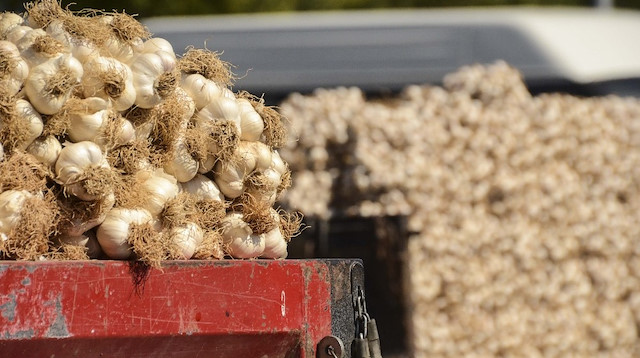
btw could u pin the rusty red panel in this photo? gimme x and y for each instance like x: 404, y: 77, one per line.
x: 187, y: 309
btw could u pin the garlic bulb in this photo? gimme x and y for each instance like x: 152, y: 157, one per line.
x: 159, y: 189
x: 230, y: 176
x: 109, y: 79
x: 9, y: 20
x: 239, y: 237
x: 49, y: 85
x: 18, y: 32
x: 114, y: 231
x: 263, y: 155
x: 208, y: 164
x: 201, y: 89
x: 46, y: 150
x: 117, y: 44
x: 251, y: 124
x: 222, y: 108
x: 78, y: 226
x: 187, y: 237
x: 28, y: 38
x: 154, y: 77
x: 94, y: 121
x: 26, y: 125
x: 14, y: 69
x: 155, y: 44
x: 203, y: 188
x: 76, y: 163
x: 275, y: 246
x: 87, y: 240
x: 11, y: 202
x: 37, y: 47
x: 81, y: 49
x: 180, y: 164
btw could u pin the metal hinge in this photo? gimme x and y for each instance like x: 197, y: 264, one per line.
x: 366, y: 343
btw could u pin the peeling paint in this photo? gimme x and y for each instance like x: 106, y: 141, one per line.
x: 26, y: 281
x: 26, y: 334
x: 58, y: 328
x: 3, y: 268
x: 9, y: 308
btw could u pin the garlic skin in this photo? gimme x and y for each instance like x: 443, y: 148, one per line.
x: 251, y: 124
x: 239, y: 237
x: 86, y: 126
x: 13, y: 77
x: 74, y: 160
x: 203, y: 188
x: 181, y: 164
x: 42, y: 88
x: 148, y: 69
x: 46, y: 150
x: 87, y: 240
x: 160, y: 188
x: 9, y: 20
x: 263, y: 155
x: 79, y: 227
x: 188, y: 237
x: 31, y: 119
x: 113, y: 233
x: 29, y: 37
x: 201, y: 89
x: 11, y: 202
x: 208, y: 164
x: 95, y: 82
x: 81, y: 49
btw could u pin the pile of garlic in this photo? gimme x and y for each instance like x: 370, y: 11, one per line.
x: 525, y: 208
x: 113, y: 146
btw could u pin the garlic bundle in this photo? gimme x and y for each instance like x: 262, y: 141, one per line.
x: 154, y: 77
x: 13, y: 69
x: 84, y: 171
x: 251, y: 124
x: 8, y: 21
x: 203, y: 188
x: 111, y: 80
x: 49, y: 85
x: 115, y: 231
x: 11, y: 203
x: 45, y: 149
x: 158, y: 188
x: 187, y: 238
x: 239, y: 237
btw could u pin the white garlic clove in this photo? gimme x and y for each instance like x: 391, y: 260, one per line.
x: 155, y: 44
x: 275, y: 246
x: 30, y: 121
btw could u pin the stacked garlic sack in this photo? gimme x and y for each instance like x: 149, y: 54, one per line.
x: 135, y: 152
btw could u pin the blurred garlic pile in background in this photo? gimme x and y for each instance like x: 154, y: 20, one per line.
x: 525, y: 208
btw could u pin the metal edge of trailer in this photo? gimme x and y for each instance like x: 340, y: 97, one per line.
x: 229, y: 308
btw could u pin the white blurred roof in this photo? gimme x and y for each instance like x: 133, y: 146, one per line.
x: 392, y: 48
